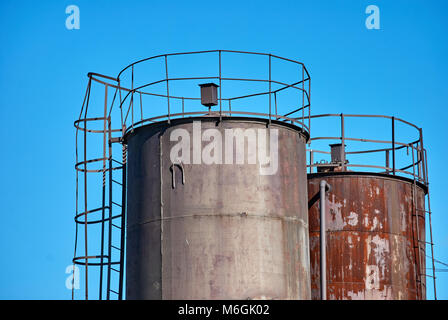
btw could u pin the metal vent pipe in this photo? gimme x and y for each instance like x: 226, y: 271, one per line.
x: 324, y: 186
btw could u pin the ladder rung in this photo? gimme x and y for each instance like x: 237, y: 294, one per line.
x: 116, y: 226
x: 117, y: 204
x: 115, y: 270
x: 113, y: 291
x: 116, y: 248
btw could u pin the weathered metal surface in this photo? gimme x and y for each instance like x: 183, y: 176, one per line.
x: 227, y: 232
x: 372, y: 242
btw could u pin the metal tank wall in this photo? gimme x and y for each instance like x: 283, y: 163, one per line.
x: 371, y: 237
x: 227, y: 232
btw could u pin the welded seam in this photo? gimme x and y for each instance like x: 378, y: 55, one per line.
x: 231, y: 215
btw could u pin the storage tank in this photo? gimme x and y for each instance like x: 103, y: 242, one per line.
x: 371, y: 237
x: 216, y: 231
x: 374, y: 213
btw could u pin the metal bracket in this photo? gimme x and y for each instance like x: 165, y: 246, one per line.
x: 173, y: 173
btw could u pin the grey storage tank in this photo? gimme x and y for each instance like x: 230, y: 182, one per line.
x: 216, y: 231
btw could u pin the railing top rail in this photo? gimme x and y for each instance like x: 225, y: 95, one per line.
x: 364, y: 116
x: 209, y: 51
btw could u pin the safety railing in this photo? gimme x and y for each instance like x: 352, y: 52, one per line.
x: 286, y: 100
x: 415, y: 157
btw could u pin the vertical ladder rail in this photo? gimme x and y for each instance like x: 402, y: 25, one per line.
x: 415, y: 213
x: 109, y: 249
x: 123, y: 224
x: 112, y: 226
x: 103, y: 196
x: 85, y: 199
x: 424, y: 170
x: 430, y: 222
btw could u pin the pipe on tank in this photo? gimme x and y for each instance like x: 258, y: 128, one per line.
x: 324, y: 187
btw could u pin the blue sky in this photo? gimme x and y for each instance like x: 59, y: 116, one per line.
x: 398, y: 70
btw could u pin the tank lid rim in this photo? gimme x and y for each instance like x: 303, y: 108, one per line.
x: 218, y: 119
x: 365, y: 174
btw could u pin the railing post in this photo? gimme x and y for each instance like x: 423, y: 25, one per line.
x: 220, y: 88
x: 303, y: 97
x: 121, y: 104
x: 309, y: 105
x: 387, y: 162
x: 419, y: 168
x: 422, y: 156
x: 311, y: 160
x: 167, y: 87
x: 141, y: 106
x: 132, y: 97
x: 270, y: 88
x: 183, y: 107
x: 275, y: 104
x: 393, y: 145
x: 343, y: 142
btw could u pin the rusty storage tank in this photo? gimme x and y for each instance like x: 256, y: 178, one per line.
x: 216, y: 231
x: 371, y: 243
x: 375, y: 224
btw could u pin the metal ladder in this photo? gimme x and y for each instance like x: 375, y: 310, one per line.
x: 116, y: 266
x: 416, y: 214
x: 110, y: 259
